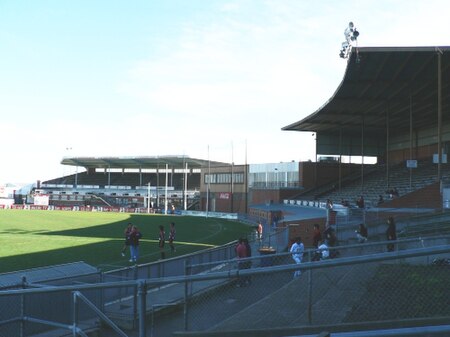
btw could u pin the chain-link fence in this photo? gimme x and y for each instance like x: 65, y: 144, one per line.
x: 401, y: 286
x: 364, y: 284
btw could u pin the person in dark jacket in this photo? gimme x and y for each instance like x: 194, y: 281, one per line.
x: 391, y: 234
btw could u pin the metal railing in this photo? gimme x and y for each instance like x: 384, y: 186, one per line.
x: 321, y: 285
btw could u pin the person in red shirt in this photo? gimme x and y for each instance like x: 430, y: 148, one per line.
x: 317, y: 236
x: 162, y: 241
x: 241, y: 253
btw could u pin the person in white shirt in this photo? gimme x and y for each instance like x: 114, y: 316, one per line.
x: 297, y: 250
x: 324, y: 251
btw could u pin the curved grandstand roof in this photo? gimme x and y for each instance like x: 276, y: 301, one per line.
x: 138, y: 162
x: 381, y: 81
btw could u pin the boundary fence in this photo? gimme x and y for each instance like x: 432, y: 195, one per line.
x: 80, y: 307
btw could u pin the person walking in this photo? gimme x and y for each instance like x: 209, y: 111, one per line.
x: 391, y: 234
x: 162, y: 241
x: 259, y: 231
x: 297, y: 250
x: 248, y: 263
x: 126, y: 233
x: 172, y: 234
x: 241, y: 253
x: 135, y: 236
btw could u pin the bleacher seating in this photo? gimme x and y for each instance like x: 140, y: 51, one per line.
x: 374, y: 184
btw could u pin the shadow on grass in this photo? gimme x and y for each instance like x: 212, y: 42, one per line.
x: 190, y: 230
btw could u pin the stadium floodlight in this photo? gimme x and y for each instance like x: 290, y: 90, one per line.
x: 351, y: 37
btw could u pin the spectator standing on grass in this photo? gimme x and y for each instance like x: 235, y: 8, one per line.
x: 135, y: 236
x: 162, y: 241
x: 391, y: 234
x: 172, y: 234
x: 297, y: 250
x: 126, y: 233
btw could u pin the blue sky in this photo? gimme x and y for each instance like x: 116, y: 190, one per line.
x: 215, y: 79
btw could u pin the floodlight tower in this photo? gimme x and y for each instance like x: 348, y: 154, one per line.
x: 351, y: 40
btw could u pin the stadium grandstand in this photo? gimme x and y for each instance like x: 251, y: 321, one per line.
x: 392, y: 106
x: 127, y: 182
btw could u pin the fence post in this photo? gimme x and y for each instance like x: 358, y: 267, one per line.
x: 142, y: 308
x: 102, y: 292
x: 75, y: 313
x: 185, y: 308
x: 22, y: 307
x: 135, y: 294
x: 310, y: 292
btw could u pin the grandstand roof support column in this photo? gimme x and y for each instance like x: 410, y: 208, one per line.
x: 387, y: 147
x: 362, y: 154
x: 410, y: 139
x: 165, y: 194
x: 185, y: 186
x: 439, y: 106
x: 157, y: 185
x: 340, y: 158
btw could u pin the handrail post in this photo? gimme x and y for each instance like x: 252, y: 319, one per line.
x: 142, y: 308
x: 310, y: 294
x: 135, y: 294
x: 185, y: 307
x: 22, y: 307
x: 75, y: 313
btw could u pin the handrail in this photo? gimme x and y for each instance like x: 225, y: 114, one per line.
x: 234, y: 273
x: 310, y: 251
x: 76, y: 295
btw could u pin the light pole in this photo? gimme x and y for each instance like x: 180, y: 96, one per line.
x: 148, y: 198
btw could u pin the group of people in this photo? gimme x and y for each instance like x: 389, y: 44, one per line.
x: 133, y: 235
x: 323, y: 241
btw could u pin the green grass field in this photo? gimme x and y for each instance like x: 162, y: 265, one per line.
x: 40, y: 238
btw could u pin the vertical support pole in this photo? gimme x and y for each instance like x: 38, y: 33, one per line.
x: 340, y: 158
x: 75, y: 313
x: 439, y: 107
x: 22, y: 307
x: 142, y: 308
x: 135, y: 294
x: 362, y: 155
x: 410, y: 139
x: 186, y: 295
x: 310, y: 318
x: 166, y: 190
x: 185, y: 186
x: 387, y: 148
x: 102, y: 292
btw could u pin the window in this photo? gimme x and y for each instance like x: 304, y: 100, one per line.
x: 224, y: 178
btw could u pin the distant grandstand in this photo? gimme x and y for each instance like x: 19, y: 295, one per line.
x: 127, y: 182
